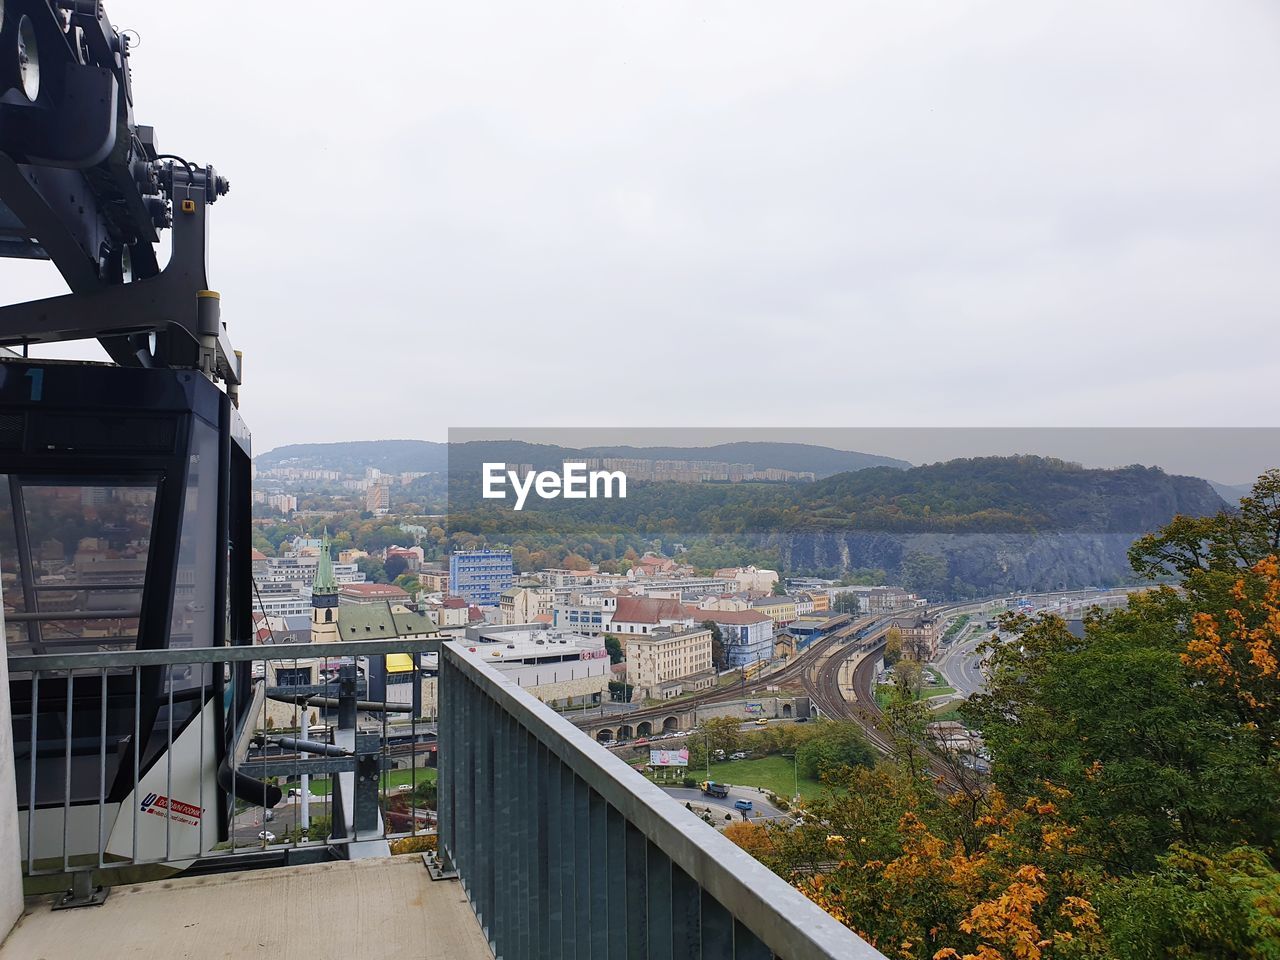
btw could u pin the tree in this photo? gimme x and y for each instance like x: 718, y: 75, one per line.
x: 846, y: 602
x: 1223, y: 906
x: 892, y: 646
x: 718, y: 658
x: 926, y: 574
x: 394, y: 565
x: 751, y: 837
x: 614, y: 646
x: 1161, y: 721
x: 372, y: 569
x: 833, y: 747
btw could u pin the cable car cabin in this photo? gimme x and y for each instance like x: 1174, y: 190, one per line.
x: 124, y: 499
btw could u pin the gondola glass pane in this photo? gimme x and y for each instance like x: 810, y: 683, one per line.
x: 73, y: 561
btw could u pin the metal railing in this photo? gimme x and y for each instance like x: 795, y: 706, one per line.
x: 114, y: 740
x: 564, y: 851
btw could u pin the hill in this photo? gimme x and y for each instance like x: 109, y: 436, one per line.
x: 967, y: 527
x: 401, y: 456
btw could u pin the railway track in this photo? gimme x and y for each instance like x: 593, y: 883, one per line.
x: 790, y: 674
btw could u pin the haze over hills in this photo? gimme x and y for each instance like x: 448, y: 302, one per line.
x: 425, y: 456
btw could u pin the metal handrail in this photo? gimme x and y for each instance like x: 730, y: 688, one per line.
x: 96, y: 660
x: 789, y: 923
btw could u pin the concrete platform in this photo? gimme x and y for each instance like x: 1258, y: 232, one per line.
x: 388, y: 909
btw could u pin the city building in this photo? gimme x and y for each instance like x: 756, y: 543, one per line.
x: 525, y: 602
x: 919, y: 635
x: 377, y: 499
x: 324, y: 598
x: 750, y: 579
x: 644, y: 615
x: 434, y: 580
x: 668, y: 661
x: 560, y: 668
x: 747, y: 635
x: 412, y: 556
x: 590, y: 615
x: 781, y: 609
x: 480, y: 576
x: 820, y: 601
x: 357, y: 593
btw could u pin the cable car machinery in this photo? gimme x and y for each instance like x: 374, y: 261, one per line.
x: 124, y: 486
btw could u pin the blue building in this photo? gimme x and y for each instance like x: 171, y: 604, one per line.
x: 480, y: 576
x: 747, y: 635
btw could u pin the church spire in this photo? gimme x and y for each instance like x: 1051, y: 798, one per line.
x: 324, y: 584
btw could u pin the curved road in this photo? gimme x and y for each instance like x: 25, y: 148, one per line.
x: 761, y: 808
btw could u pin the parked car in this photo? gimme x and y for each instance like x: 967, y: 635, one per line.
x: 738, y: 756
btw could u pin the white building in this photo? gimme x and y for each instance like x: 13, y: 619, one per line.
x: 668, y: 661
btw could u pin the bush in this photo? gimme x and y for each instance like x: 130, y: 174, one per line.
x: 833, y: 746
x: 423, y: 844
x: 689, y: 783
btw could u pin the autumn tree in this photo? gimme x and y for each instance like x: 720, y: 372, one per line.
x: 892, y: 645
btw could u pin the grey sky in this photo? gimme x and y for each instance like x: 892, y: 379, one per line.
x: 731, y: 213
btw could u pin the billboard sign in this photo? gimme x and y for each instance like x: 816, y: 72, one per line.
x: 668, y: 758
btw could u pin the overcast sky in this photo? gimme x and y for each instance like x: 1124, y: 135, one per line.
x: 730, y: 213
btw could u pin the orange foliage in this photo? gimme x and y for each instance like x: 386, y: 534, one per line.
x: 751, y: 837
x: 1240, y: 649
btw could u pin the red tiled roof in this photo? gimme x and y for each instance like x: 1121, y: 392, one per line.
x: 648, y: 610
x: 257, y: 554
x: 731, y: 617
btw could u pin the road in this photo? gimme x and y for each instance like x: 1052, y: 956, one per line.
x: 762, y: 809
x: 962, y: 667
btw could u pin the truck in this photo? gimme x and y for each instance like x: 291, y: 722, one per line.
x: 713, y: 789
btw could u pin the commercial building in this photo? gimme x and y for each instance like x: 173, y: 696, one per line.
x: 563, y: 669
x: 668, y: 661
x: 480, y: 576
x: 356, y: 593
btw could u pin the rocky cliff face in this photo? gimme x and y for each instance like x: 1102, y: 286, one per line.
x: 1090, y: 549
x: 970, y: 564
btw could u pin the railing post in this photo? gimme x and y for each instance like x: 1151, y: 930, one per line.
x: 10, y: 840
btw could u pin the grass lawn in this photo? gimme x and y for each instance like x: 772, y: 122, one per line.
x: 882, y: 693
x: 952, y: 712
x: 391, y: 780
x: 773, y: 773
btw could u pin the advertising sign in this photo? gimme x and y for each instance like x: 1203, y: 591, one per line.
x: 668, y: 758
